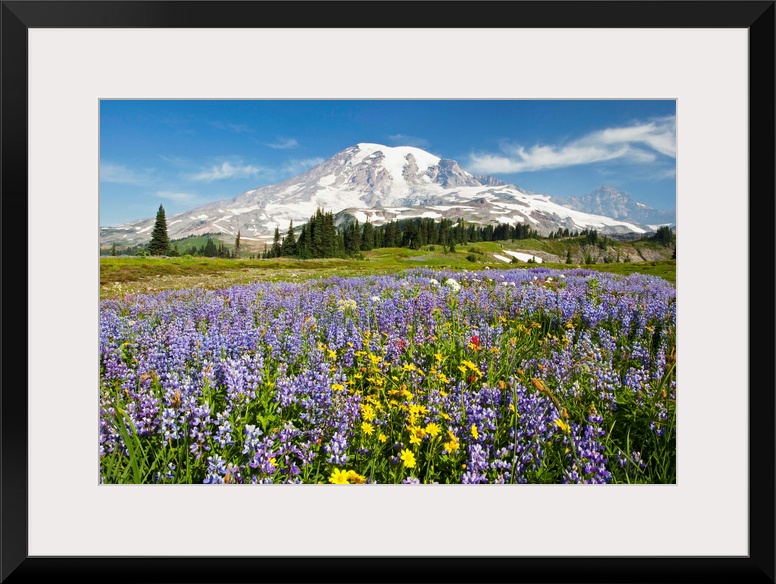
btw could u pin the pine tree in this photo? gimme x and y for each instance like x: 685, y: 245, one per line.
x: 237, y: 245
x: 160, y: 242
x: 316, y: 231
x: 329, y: 242
x: 367, y: 237
x: 353, y: 238
x: 210, y: 249
x: 303, y: 245
x: 276, y: 246
x: 288, y: 247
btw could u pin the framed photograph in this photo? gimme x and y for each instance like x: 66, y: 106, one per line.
x: 89, y: 87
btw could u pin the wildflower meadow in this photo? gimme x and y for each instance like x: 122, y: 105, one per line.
x: 533, y: 375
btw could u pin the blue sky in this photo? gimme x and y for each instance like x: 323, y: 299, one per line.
x: 185, y: 153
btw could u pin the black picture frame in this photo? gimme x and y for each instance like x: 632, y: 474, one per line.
x: 19, y: 16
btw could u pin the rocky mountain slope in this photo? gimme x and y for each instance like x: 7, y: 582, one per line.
x: 377, y: 183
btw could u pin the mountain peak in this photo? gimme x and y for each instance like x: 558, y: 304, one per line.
x: 394, y: 154
x: 607, y: 200
x: 378, y: 183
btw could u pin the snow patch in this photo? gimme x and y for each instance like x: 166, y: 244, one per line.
x: 524, y: 256
x: 241, y: 210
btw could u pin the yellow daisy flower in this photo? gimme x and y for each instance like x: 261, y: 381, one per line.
x: 433, y: 429
x: 354, y: 478
x: 407, y: 458
x: 339, y: 477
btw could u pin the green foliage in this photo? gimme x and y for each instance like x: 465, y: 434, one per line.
x: 319, y: 238
x: 368, y: 237
x: 210, y: 249
x: 160, y: 242
x: 664, y: 236
x: 288, y: 247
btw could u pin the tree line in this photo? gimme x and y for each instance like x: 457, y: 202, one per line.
x: 321, y: 238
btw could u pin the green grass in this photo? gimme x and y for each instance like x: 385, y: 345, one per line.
x: 126, y: 275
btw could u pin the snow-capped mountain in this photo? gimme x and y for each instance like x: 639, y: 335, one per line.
x: 379, y: 184
x: 608, y: 201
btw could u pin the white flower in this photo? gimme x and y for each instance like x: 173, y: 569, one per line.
x: 455, y: 286
x: 346, y: 304
x: 434, y: 282
x: 375, y: 299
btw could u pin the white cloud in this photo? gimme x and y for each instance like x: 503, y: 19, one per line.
x: 178, y: 161
x: 404, y: 140
x: 639, y: 143
x: 118, y: 173
x: 663, y: 174
x: 178, y: 197
x: 231, y: 127
x: 227, y: 170
x: 659, y: 135
x: 283, y: 144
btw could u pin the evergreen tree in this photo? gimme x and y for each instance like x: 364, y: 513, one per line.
x: 664, y: 236
x: 288, y: 247
x: 390, y: 237
x: 160, y: 242
x: 276, y: 245
x: 352, y: 238
x: 316, y: 232
x: 329, y: 239
x: 367, y: 237
x: 237, y: 245
x: 303, y: 245
x: 210, y: 250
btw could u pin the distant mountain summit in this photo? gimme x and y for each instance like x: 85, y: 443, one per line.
x: 608, y: 201
x: 376, y: 183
